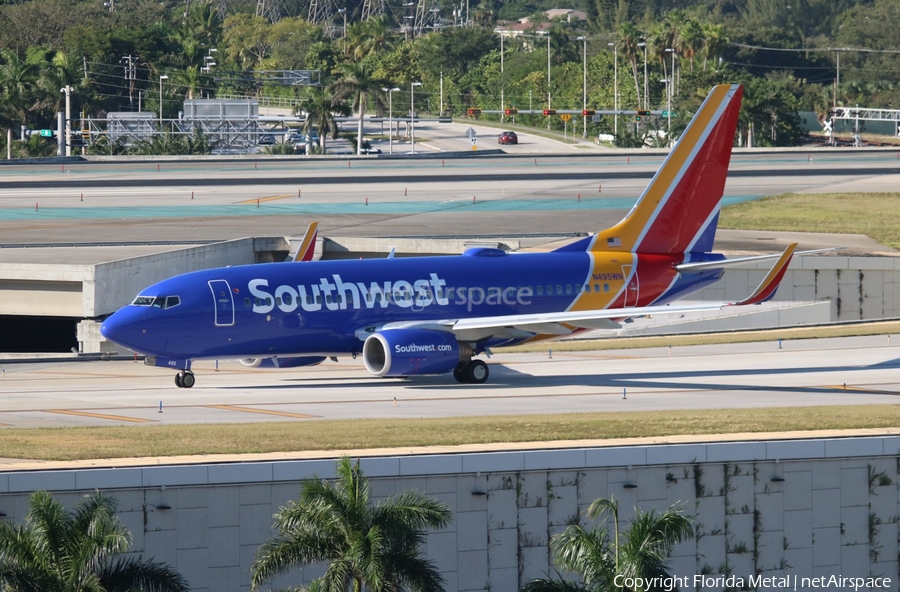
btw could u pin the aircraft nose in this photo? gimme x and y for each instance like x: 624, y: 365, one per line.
x: 114, y: 329
x: 129, y: 329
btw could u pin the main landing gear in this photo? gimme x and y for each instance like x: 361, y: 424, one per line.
x: 472, y: 372
x: 185, y: 379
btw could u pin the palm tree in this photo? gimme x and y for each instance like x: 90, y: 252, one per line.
x: 365, y: 37
x: 366, y: 547
x: 598, y: 555
x: 18, y: 79
x: 320, y: 111
x: 715, y: 40
x: 628, y: 38
x: 60, y: 551
x: 359, y: 83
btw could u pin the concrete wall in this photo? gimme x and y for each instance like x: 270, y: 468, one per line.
x: 116, y: 283
x: 804, y: 507
x: 859, y: 288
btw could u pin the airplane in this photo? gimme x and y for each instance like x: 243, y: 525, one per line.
x: 434, y: 315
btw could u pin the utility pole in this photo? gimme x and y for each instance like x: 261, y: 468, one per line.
x: 68, y: 90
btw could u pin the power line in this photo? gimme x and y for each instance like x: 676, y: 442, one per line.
x: 822, y: 49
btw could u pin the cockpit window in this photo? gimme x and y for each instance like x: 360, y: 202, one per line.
x: 157, y: 301
x: 143, y: 301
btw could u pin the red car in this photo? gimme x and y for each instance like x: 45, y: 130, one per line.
x: 508, y: 138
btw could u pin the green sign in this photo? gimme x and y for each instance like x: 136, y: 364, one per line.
x: 46, y: 133
x: 667, y: 113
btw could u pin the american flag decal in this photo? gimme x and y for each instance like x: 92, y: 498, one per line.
x: 614, y: 242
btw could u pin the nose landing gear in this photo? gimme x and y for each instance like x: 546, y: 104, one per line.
x: 185, y: 379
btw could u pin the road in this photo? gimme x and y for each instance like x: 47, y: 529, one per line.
x: 845, y: 371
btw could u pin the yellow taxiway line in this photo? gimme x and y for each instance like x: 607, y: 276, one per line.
x: 99, y: 415
x: 260, y: 411
x: 262, y: 199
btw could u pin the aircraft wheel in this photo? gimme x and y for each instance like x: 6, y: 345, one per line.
x: 188, y: 380
x: 477, y: 372
x: 459, y: 373
x: 179, y: 380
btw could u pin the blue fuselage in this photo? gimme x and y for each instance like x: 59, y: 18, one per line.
x: 282, y: 309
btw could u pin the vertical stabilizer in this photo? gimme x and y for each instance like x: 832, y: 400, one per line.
x: 678, y: 210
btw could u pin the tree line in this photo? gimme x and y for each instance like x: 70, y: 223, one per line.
x: 374, y: 547
x: 786, y: 54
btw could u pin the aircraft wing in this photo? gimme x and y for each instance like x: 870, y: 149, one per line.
x: 557, y: 322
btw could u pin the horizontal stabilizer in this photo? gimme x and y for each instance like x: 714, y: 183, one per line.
x: 745, y: 262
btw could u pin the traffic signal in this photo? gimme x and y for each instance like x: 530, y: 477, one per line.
x: 642, y: 112
x: 475, y: 112
x: 588, y: 112
x: 549, y: 112
x: 510, y: 111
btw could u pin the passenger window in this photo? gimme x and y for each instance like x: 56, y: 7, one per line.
x: 287, y: 299
x: 568, y: 288
x: 540, y: 290
x: 578, y: 288
x: 258, y: 302
x: 369, y: 297
x: 549, y: 290
x: 558, y: 289
x: 309, y: 299
x: 278, y: 301
x: 318, y: 299
x: 328, y: 299
x: 606, y: 287
x: 597, y: 288
x: 246, y: 303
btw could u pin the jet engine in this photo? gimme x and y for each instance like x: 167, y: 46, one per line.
x: 403, y: 352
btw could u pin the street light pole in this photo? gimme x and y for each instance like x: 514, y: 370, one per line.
x: 161, y: 78
x: 343, y: 12
x: 584, y: 87
x: 671, y: 88
x: 68, y: 90
x: 412, y: 113
x: 390, y: 92
x: 615, y: 47
x: 644, y: 45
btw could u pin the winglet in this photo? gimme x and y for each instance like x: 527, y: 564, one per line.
x: 308, y: 244
x: 767, y: 287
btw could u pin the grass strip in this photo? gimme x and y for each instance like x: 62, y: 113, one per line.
x: 172, y: 440
x: 871, y: 214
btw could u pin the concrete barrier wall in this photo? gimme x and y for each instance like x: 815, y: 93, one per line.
x: 859, y: 288
x: 115, y: 284
x: 809, y: 508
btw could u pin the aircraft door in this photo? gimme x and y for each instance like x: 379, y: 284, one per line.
x: 632, y: 290
x: 223, y: 303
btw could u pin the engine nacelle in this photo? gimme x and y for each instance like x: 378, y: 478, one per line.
x: 403, y: 352
x: 282, y: 362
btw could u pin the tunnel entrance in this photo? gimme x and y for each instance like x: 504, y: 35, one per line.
x: 30, y: 334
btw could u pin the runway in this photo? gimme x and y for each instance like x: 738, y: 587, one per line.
x: 842, y: 371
